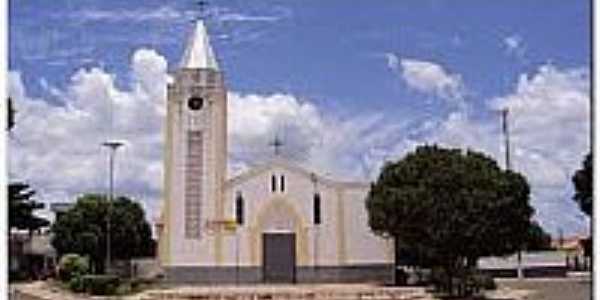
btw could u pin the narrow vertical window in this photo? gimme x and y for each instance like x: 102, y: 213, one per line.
x: 282, y: 183
x: 273, y: 183
x: 317, y: 209
x: 239, y: 209
x: 193, y: 185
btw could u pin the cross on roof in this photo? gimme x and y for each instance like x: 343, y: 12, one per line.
x: 276, y: 144
x: 201, y: 7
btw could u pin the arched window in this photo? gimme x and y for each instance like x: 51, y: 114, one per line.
x: 273, y: 183
x: 282, y: 183
x: 317, y: 209
x: 239, y: 208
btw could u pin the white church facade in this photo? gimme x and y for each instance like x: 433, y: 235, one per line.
x: 276, y: 222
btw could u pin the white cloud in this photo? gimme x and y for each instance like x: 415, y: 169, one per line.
x: 512, y: 42
x: 551, y: 108
x: 237, y: 17
x: 342, y: 148
x: 549, y: 125
x: 162, y: 13
x: 224, y: 14
x: 57, y: 148
x: 255, y: 120
x: 392, y: 61
x: 167, y: 13
x: 514, y: 45
x: 550, y: 119
x: 427, y: 77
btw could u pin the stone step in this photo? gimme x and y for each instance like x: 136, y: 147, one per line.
x: 337, y: 295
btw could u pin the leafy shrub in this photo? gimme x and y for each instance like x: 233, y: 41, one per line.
x: 72, y: 265
x: 138, y: 284
x: 76, y: 284
x: 438, y: 278
x: 101, y: 284
x: 124, y: 288
x: 484, y: 280
x: 17, y: 275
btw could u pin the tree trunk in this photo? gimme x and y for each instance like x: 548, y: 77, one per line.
x: 399, y: 279
x: 449, y: 285
x: 98, y: 266
x: 471, y: 262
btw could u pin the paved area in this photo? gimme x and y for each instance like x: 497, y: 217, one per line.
x: 44, y: 291
x: 551, y: 289
x: 508, y: 289
x: 40, y: 290
x: 290, y: 292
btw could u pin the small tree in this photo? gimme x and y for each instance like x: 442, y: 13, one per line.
x: 583, y: 180
x: 537, y: 238
x: 451, y: 207
x: 72, y: 265
x: 82, y: 230
x: 21, y: 207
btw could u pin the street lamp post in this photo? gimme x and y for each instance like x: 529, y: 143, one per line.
x: 113, y: 146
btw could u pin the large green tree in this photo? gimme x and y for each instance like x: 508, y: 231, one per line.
x: 82, y: 230
x: 583, y: 180
x: 451, y: 207
x: 21, y: 206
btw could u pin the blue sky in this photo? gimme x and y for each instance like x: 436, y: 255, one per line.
x: 308, y: 43
x: 412, y: 71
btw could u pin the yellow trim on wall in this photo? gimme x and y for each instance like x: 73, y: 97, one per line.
x: 166, y: 234
x: 219, y: 138
x: 341, y: 228
x: 219, y: 236
x: 389, y: 249
x: 257, y: 227
x: 253, y: 243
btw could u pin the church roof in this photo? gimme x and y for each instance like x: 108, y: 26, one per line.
x: 285, y: 164
x: 198, y: 52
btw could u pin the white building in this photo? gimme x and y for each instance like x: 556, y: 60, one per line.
x: 275, y: 222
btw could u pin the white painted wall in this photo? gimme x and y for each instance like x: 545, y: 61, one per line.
x: 362, y: 247
x: 184, y: 251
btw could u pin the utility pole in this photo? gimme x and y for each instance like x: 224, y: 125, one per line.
x: 506, y: 133
x: 113, y: 146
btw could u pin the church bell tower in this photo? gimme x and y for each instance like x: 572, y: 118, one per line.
x: 195, y: 152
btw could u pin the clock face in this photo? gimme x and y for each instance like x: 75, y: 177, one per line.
x: 195, y: 103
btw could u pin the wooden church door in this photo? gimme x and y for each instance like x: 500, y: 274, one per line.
x: 279, y: 257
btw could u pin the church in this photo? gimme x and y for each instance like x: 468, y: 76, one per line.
x: 276, y: 222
